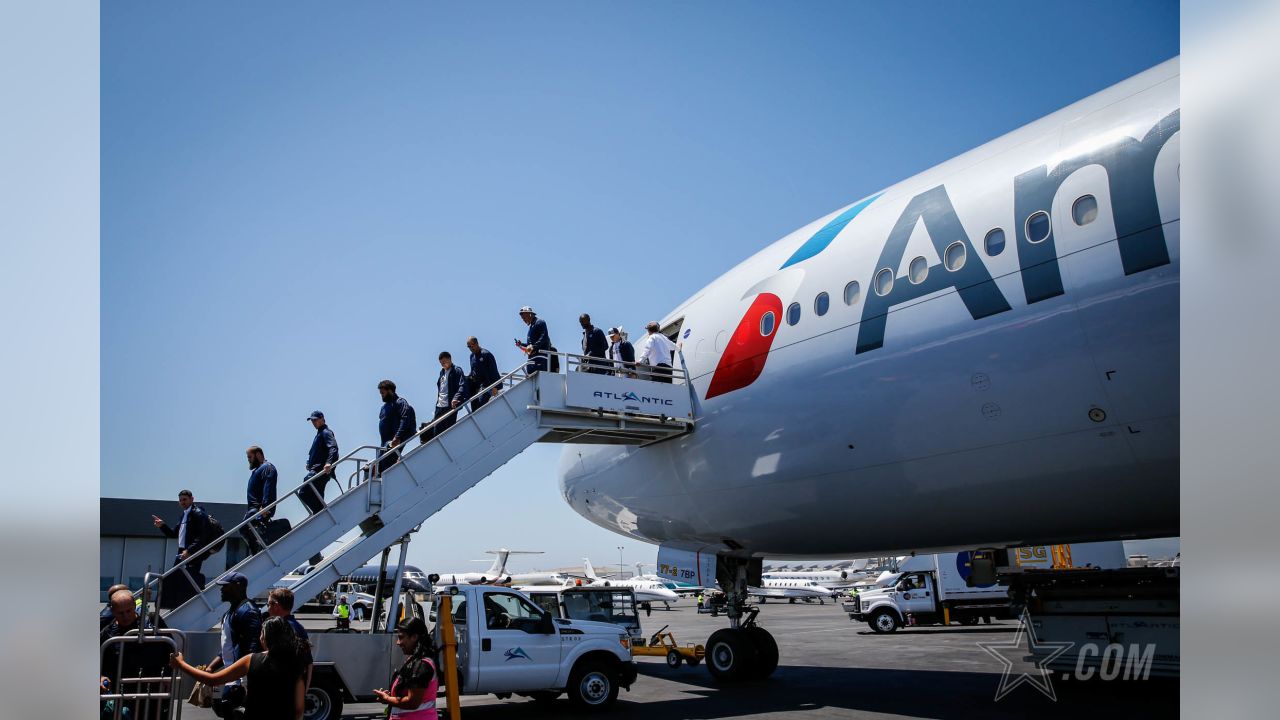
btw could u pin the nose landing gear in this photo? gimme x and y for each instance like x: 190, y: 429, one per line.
x: 744, y: 650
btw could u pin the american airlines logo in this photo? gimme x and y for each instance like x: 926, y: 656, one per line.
x: 1129, y: 163
x: 632, y: 397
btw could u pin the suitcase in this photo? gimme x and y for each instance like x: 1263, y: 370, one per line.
x: 273, y: 530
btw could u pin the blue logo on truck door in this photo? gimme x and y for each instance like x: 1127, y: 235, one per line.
x: 518, y: 652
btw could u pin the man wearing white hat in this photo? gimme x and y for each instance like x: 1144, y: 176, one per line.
x: 537, y: 343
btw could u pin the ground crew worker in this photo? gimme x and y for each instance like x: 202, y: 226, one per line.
x: 413, y: 687
x: 700, y: 600
x: 342, y: 611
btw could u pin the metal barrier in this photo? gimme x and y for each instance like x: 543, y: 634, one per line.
x: 144, y: 696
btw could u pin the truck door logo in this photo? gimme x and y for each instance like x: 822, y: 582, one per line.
x: 518, y: 652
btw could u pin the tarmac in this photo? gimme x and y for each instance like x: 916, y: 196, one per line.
x: 832, y: 667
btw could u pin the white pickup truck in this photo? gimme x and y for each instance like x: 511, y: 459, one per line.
x: 507, y: 646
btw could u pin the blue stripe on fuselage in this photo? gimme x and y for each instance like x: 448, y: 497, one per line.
x: 823, y: 237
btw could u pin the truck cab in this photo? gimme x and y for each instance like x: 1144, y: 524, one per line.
x: 507, y: 644
x: 613, y: 605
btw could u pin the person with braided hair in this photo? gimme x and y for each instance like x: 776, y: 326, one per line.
x: 413, y: 687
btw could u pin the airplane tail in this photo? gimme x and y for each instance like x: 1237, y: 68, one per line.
x: 590, y: 571
x: 499, y: 566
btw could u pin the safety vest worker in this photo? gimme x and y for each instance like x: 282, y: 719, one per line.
x: 413, y: 687
x: 343, y: 612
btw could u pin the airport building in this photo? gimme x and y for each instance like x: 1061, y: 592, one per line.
x: 131, y: 544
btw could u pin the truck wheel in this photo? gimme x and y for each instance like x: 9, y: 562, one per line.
x: 730, y: 654
x: 322, y: 702
x: 766, y: 651
x: 884, y: 621
x: 673, y: 659
x: 969, y: 620
x: 593, y: 686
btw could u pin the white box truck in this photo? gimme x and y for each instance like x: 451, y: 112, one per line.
x: 929, y: 590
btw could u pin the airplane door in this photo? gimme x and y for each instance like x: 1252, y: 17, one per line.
x: 915, y: 594
x: 515, y: 654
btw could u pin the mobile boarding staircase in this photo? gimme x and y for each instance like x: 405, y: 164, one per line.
x: 377, y: 508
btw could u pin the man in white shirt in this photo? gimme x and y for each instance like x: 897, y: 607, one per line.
x: 655, y: 350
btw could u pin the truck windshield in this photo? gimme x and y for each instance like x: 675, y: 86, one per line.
x: 601, y: 606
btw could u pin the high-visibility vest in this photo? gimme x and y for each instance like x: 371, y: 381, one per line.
x: 344, y: 612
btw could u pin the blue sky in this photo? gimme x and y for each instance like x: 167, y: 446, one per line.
x: 302, y: 199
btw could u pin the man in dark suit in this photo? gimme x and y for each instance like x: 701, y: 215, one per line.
x: 451, y: 392
x: 620, y: 352
x: 593, y: 346
x: 397, y: 422
x: 191, y: 532
x: 484, y: 372
x: 537, y: 343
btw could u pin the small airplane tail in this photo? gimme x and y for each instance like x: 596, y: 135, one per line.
x: 499, y: 566
x: 590, y: 571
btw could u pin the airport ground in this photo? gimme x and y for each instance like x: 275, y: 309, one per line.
x: 834, y: 668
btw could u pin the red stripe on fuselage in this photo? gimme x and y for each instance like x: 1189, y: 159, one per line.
x: 744, y: 357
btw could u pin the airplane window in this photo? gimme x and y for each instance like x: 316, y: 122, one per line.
x: 1085, y: 210
x: 851, y: 292
x: 995, y: 242
x: 954, y: 256
x: 793, y: 314
x: 1038, y: 226
x: 767, y: 324
x: 884, y: 282
x: 821, y: 303
x: 918, y: 271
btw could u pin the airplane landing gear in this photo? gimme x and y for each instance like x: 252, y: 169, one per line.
x: 744, y: 650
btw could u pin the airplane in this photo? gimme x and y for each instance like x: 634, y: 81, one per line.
x: 413, y: 578
x: 646, y: 591
x: 832, y: 579
x: 495, y: 575
x: 790, y: 589
x: 676, y: 586
x: 990, y: 347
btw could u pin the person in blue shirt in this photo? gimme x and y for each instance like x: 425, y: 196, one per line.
x: 260, y: 493
x: 484, y: 372
x: 320, y: 459
x: 241, y: 632
x: 594, y: 345
x: 451, y: 392
x: 537, y: 343
x: 397, y: 422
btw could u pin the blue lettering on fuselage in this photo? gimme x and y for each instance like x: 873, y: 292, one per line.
x: 1130, y: 167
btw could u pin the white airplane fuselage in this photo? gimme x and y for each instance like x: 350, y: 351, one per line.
x: 790, y: 589
x: 997, y: 392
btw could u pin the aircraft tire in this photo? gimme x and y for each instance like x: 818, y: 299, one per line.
x: 674, y: 659
x: 731, y: 655
x: 883, y: 621
x: 766, y: 652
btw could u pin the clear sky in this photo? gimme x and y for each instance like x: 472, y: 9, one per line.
x: 300, y: 199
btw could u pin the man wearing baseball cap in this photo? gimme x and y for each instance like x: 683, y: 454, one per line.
x: 537, y: 343
x: 241, y: 627
x: 320, y: 460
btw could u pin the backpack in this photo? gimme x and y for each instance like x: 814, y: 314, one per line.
x: 554, y: 360
x: 213, y: 529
